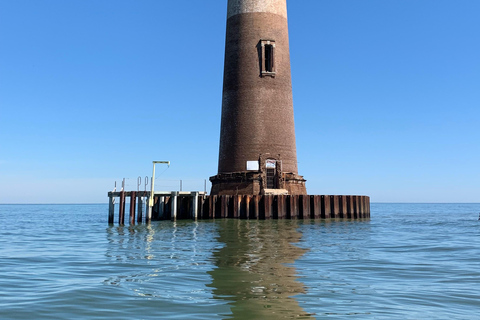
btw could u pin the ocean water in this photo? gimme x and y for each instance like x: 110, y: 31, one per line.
x: 409, y: 261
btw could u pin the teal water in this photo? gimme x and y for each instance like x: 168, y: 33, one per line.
x: 409, y: 261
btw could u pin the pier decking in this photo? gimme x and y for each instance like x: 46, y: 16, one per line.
x: 199, y: 206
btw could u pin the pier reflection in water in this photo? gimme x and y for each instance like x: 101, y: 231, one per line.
x: 253, y: 269
x: 223, y: 269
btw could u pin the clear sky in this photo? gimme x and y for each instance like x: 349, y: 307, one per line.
x: 386, y: 96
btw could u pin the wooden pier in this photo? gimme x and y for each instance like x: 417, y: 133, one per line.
x: 199, y: 206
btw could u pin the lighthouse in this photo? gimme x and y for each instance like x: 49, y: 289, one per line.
x: 257, y: 153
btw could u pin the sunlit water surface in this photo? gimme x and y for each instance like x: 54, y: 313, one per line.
x: 409, y: 261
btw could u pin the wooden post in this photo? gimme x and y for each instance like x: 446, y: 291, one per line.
x: 194, y: 205
x: 211, y: 206
x: 293, y: 207
x: 327, y: 214
x: 140, y: 209
x: 224, y: 206
x: 236, y: 206
x: 267, y: 201
x: 161, y: 207
x: 274, y: 207
x: 350, y: 207
x: 305, y: 206
x: 111, y: 209
x: 148, y: 218
x: 254, y: 213
x: 282, y: 206
x: 173, y: 205
x: 355, y: 207
x: 133, y: 199
x: 121, y: 209
x: 368, y: 207
x: 246, y: 203
x: 316, y: 207
x: 362, y: 207
x: 202, y: 206
x: 334, y: 207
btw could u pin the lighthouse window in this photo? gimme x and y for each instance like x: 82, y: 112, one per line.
x: 267, y: 58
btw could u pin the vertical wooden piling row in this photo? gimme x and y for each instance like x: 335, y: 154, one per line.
x: 340, y: 206
x: 268, y: 203
x: 334, y: 207
x: 211, y: 207
x: 261, y: 208
x: 288, y: 207
x: 201, y: 206
x: 365, y: 200
x: 148, y: 217
x: 254, y: 207
x: 194, y: 206
x: 274, y: 202
x: 111, y: 209
x: 362, y: 207
x: 274, y: 199
x: 293, y: 208
x: 197, y: 205
x: 140, y: 207
x: 327, y: 214
x: 245, y: 213
x: 316, y: 207
x: 368, y: 207
x: 304, y: 201
x: 218, y: 207
x: 160, y: 208
x: 236, y: 206
x: 133, y: 203
x: 349, y: 200
x: 354, y: 207
x: 312, y: 207
x: 282, y: 207
x: 224, y: 207
x: 173, y: 206
x: 155, y: 208
x: 121, y: 209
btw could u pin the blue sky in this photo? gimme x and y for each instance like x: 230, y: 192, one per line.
x: 386, y: 96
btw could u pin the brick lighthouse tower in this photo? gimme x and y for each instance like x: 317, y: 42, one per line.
x: 257, y: 138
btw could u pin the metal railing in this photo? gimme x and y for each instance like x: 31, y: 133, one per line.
x: 144, y: 184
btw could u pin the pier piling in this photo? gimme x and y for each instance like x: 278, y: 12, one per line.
x: 111, y: 209
x: 121, y: 219
x: 133, y: 201
x: 197, y: 205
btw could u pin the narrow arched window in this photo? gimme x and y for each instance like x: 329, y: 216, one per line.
x: 267, y: 56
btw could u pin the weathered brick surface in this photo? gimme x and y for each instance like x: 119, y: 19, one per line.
x: 257, y: 111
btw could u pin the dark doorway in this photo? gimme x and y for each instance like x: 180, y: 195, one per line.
x: 271, y: 166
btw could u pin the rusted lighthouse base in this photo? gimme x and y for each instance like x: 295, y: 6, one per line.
x: 199, y: 206
x: 257, y: 183
x: 304, y: 207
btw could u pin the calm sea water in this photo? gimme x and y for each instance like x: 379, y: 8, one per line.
x: 409, y: 261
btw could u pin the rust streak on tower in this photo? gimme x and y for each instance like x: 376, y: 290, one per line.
x: 257, y: 138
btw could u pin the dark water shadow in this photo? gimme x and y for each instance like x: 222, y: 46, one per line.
x: 254, y: 271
